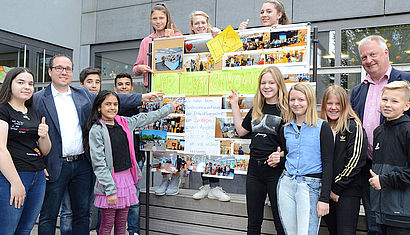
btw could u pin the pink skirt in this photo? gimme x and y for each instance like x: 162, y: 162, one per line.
x: 126, y: 192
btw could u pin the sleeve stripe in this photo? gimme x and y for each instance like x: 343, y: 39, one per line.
x: 357, y: 150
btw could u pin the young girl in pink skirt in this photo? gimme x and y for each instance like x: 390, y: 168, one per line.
x: 110, y: 144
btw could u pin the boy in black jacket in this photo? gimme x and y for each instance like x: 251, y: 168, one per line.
x: 390, y: 196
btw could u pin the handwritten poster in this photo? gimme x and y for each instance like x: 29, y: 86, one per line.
x: 167, y: 82
x: 200, y: 124
x: 194, y: 83
x: 222, y: 82
x: 227, y: 41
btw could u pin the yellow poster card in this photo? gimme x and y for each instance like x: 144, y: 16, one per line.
x: 227, y: 41
x: 194, y: 83
x: 167, y: 82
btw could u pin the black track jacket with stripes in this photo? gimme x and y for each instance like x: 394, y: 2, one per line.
x: 349, y: 158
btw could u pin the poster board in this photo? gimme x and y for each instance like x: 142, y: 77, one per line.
x: 202, y: 138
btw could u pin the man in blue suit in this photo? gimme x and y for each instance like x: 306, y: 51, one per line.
x: 365, y: 100
x: 66, y: 109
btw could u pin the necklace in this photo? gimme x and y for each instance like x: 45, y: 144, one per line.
x: 107, y: 120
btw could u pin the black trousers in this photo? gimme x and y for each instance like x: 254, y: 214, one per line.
x: 213, y: 182
x: 261, y: 180
x: 343, y: 216
x: 388, y: 230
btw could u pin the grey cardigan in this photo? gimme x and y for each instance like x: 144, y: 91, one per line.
x: 100, y: 148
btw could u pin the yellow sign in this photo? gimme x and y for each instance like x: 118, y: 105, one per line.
x: 167, y: 82
x: 227, y: 41
x: 194, y: 83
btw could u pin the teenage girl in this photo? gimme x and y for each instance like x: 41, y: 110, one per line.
x: 163, y: 26
x: 304, y: 186
x: 263, y: 122
x: 24, y: 141
x: 199, y: 23
x: 110, y: 144
x: 349, y: 158
x: 272, y: 13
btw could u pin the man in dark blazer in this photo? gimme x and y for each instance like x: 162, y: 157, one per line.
x: 66, y: 109
x: 365, y: 100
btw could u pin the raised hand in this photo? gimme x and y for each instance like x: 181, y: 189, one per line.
x: 274, y: 158
x: 43, y: 128
x: 375, y: 180
x: 243, y: 25
x: 152, y: 96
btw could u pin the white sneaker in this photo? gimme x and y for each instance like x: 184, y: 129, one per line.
x: 162, y: 188
x: 218, y: 193
x: 203, y: 192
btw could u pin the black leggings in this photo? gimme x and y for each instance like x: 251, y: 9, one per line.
x: 343, y: 216
x: 213, y: 182
x: 261, y: 179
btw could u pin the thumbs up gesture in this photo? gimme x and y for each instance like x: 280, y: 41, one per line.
x: 374, y: 181
x: 43, y: 128
x: 274, y: 158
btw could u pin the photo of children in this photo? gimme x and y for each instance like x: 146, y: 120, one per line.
x: 152, y: 140
x: 225, y: 128
x: 169, y: 99
x: 241, y: 148
x: 226, y: 147
x: 198, y: 62
x: 294, y: 78
x: 175, y: 143
x: 168, y: 59
x: 220, y: 167
x: 172, y: 124
x: 168, y: 162
x: 245, y: 102
x: 241, y: 164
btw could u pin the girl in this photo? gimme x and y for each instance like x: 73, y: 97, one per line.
x: 199, y: 23
x: 23, y: 142
x: 111, y: 148
x: 163, y: 26
x: 263, y: 122
x: 272, y: 14
x: 304, y: 186
x: 349, y: 158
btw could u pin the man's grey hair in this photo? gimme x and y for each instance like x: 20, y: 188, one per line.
x: 379, y: 39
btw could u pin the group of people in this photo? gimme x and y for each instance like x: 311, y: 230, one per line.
x: 70, y: 142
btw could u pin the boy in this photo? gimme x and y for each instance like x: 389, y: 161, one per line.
x: 390, y: 196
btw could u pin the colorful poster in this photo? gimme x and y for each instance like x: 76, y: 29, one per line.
x: 167, y: 82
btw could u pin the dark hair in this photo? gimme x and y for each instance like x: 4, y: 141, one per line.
x: 164, y: 8
x: 5, y: 90
x: 122, y: 75
x: 95, y: 115
x: 88, y: 71
x: 280, y: 7
x: 51, y: 62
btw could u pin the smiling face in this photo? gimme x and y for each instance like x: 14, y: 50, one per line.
x: 158, y: 21
x: 124, y: 85
x: 375, y: 59
x: 269, y: 88
x: 298, y: 103
x: 199, y: 24
x: 61, y: 80
x: 22, y: 87
x: 333, y: 108
x: 394, y: 103
x: 109, y: 108
x: 92, y: 82
x: 269, y: 16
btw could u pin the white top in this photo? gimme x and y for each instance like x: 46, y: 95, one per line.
x: 71, y: 133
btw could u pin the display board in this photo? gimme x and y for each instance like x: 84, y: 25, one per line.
x: 201, y: 136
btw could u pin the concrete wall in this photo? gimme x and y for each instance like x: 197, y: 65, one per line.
x: 52, y: 21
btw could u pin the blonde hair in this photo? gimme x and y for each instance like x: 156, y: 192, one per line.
x: 199, y: 13
x: 399, y: 85
x: 311, y: 117
x: 346, y: 110
x: 259, y: 99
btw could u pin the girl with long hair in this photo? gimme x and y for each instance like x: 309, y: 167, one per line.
x: 163, y: 26
x: 110, y: 145
x: 349, y: 158
x: 272, y: 13
x: 263, y: 122
x: 24, y: 141
x: 304, y: 186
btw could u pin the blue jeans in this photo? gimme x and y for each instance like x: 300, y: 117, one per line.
x: 22, y: 220
x: 373, y: 227
x: 77, y: 176
x: 297, y: 201
x: 66, y: 215
x: 134, y: 212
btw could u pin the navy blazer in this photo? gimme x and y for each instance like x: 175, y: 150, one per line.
x: 83, y: 101
x: 359, y: 93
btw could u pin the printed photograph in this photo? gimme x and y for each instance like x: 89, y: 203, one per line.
x: 225, y: 128
x: 168, y: 59
x: 241, y: 164
x: 168, y: 162
x: 245, y: 102
x: 175, y: 143
x: 152, y: 140
x: 220, y: 167
x: 198, y: 62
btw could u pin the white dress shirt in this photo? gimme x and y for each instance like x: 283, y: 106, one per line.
x: 71, y: 133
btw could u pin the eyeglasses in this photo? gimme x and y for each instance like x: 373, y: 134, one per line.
x: 60, y: 69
